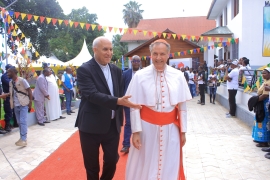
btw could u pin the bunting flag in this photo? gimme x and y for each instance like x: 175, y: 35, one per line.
x: 259, y: 82
x: 243, y: 79
x: 246, y: 87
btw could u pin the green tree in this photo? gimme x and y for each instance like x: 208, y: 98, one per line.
x: 119, y: 49
x: 132, y: 14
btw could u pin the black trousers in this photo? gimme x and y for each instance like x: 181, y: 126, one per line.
x: 90, y: 144
x: 202, y: 92
x: 232, y: 102
x: 8, y: 111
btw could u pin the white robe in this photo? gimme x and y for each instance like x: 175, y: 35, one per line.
x: 53, y: 106
x: 159, y: 155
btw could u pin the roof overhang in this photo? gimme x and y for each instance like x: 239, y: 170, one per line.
x: 216, y: 9
x: 222, y: 31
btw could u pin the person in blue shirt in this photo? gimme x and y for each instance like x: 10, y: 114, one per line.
x: 67, y: 83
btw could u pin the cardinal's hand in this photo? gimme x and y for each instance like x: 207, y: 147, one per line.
x: 136, y: 140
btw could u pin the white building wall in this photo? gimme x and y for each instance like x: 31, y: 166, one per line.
x: 134, y: 44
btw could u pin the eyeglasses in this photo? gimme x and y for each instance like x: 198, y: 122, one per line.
x: 135, y: 61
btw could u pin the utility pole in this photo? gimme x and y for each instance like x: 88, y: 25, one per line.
x: 5, y: 29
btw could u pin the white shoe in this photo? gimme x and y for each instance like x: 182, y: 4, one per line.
x: 21, y: 143
x: 227, y: 113
x: 229, y: 116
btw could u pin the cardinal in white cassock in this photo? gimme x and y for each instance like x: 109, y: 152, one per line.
x: 158, y: 129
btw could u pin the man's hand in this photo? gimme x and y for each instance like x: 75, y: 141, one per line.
x: 48, y: 97
x: 183, y: 137
x: 136, y: 140
x: 266, y: 87
x: 30, y: 105
x: 123, y: 101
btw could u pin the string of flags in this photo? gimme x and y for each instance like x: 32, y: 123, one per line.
x: 87, y: 26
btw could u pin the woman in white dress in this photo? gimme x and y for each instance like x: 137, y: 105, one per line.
x: 53, y: 106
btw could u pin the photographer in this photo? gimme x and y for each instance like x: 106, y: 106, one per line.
x: 232, y: 86
x: 212, y: 83
x: 201, y: 82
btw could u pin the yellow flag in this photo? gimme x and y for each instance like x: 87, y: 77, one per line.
x: 23, y: 15
x: 201, y: 38
x: 9, y: 19
x: 115, y: 29
x: 243, y: 80
x: 209, y: 38
x: 82, y: 25
x: 205, y: 48
x: 174, y: 36
x: 144, y: 33
x: 219, y: 44
x: 35, y: 74
x: 154, y: 34
x: 164, y: 35
x: 71, y: 23
x: 125, y: 30
x: 229, y: 39
x: 60, y: 21
x: 29, y: 45
x: 14, y: 33
x: 104, y: 28
x: 135, y: 31
x: 20, y: 45
x: 22, y: 36
x: 217, y: 39
x: 93, y: 26
x: 178, y: 53
x: 37, y: 54
x: 184, y: 36
x: 191, y: 51
x: 193, y: 38
x: 36, y: 18
x: 15, y: 26
x: 48, y: 20
x: 25, y: 56
x: 247, y: 88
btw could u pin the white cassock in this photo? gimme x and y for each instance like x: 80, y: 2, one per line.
x: 53, y: 106
x: 159, y: 155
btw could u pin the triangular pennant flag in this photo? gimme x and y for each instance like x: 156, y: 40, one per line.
x: 164, y: 35
x: 209, y: 38
x: 178, y: 53
x: 54, y: 21
x: 197, y: 38
x: 193, y: 38
x: 14, y: 33
x: 23, y: 51
x: 213, y: 39
x: 219, y: 44
x: 115, y: 30
x: 76, y: 24
x: 105, y: 28
x: 228, y: 43
x: 188, y: 37
x: 150, y: 33
x: 129, y: 30
x: 205, y: 38
x: 209, y: 47
x: 99, y: 27
x: 221, y: 39
x: 191, y: 51
x: 23, y: 15
x: 205, y: 48
x: 144, y: 33
x: 20, y: 45
x: 194, y: 50
x: 201, y: 38
x: 66, y: 22
x: 120, y: 30
x: 135, y: 31
x: 87, y: 26
x: 48, y: 20
x: 236, y: 40
x: 185, y: 52
x: 184, y: 36
x: 198, y: 50
x: 22, y: 36
x: 212, y: 46
x: 36, y: 17
x: 217, y: 39
x: 60, y: 21
x: 93, y: 26
x: 243, y: 79
x: 154, y: 34
x: 37, y: 54
x: 179, y: 36
x: 159, y: 34
x: 71, y: 23
x: 17, y: 14
x: 41, y: 18
x: 29, y: 17
x: 232, y: 41
x: 82, y: 25
x: 229, y: 39
x: 174, y: 36
x: 125, y: 30
x: 110, y: 29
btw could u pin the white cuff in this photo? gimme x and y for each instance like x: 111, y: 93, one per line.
x: 183, y: 116
x: 135, y: 120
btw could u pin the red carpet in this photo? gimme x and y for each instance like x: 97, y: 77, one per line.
x: 67, y: 163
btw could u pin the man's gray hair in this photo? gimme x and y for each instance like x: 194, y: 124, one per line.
x: 136, y: 57
x: 160, y: 41
x: 97, y: 41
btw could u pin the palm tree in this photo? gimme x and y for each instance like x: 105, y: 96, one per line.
x: 132, y: 14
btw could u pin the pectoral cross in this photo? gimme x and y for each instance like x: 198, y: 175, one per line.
x: 157, y: 104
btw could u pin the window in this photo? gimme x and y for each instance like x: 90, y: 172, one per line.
x: 221, y: 20
x: 225, y: 17
x: 220, y: 51
x: 235, y: 49
x: 236, y: 7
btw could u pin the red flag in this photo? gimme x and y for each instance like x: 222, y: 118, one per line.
x: 213, y: 38
x: 110, y: 29
x: 188, y: 37
x: 129, y: 30
x: 159, y: 34
x: 221, y: 39
x: 11, y: 27
x: 23, y: 51
x: 41, y: 18
x: 236, y: 40
x: 197, y: 38
x: 29, y: 17
x: 17, y: 14
x: 179, y: 36
x: 66, y: 22
x: 54, y: 21
x: 120, y: 30
x: 87, y: 26
x: 198, y: 50
x: 212, y: 46
x: 76, y: 24
x: 149, y: 33
x: 99, y: 27
x: 169, y: 35
x: 185, y: 52
x: 205, y: 38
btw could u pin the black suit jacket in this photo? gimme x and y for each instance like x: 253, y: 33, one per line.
x: 127, y: 76
x: 97, y: 103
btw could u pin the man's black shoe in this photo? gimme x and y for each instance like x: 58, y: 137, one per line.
x: 68, y: 113
x: 72, y: 112
x: 62, y: 117
x: 267, y: 156
x: 125, y: 150
x: 2, y: 131
x: 266, y: 149
x: 8, y: 128
x: 41, y: 124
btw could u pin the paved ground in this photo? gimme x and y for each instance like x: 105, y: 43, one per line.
x: 217, y: 148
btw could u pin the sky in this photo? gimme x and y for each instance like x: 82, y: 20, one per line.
x: 109, y: 12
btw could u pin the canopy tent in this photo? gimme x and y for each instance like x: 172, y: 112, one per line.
x: 81, y: 58
x: 51, y: 61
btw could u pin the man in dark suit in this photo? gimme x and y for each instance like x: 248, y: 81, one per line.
x: 127, y: 76
x: 100, y: 115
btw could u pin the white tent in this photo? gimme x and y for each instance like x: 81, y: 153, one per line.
x: 81, y: 58
x: 51, y: 61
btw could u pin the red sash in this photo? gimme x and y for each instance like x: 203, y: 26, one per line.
x: 165, y: 118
